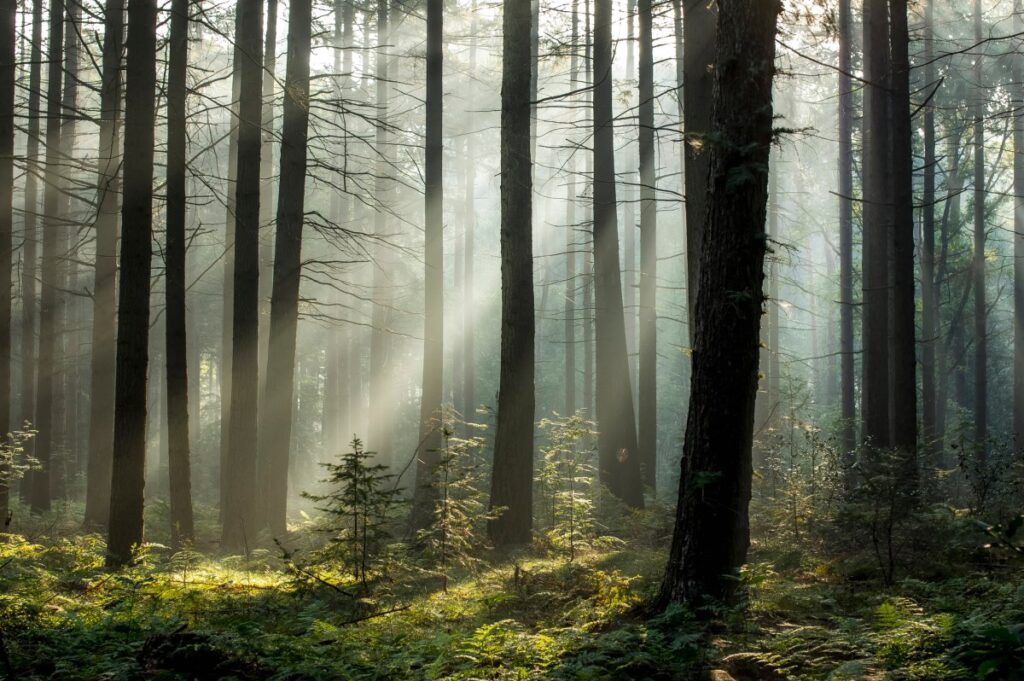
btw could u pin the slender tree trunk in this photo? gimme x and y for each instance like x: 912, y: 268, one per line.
x: 512, y: 477
x: 1018, y: 239
x: 28, y: 271
x: 699, y: 26
x: 846, y: 349
x: 588, y: 251
x: 929, y: 299
x: 629, y: 199
x: 980, y: 311
x: 8, y: 70
x: 618, y: 458
x: 267, y: 190
x: 284, y: 306
x: 569, y: 309
x: 240, y: 499
x: 178, y: 452
x: 712, y: 531
x: 104, y: 309
x: 40, y: 495
x: 648, y: 378
x: 877, y: 216
x: 433, y: 332
x: 129, y: 462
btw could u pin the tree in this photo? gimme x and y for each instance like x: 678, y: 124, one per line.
x: 846, y: 310
x: 569, y: 305
x: 284, y: 305
x: 239, y: 499
x: 930, y: 335
x: 176, y: 347
x: 129, y: 462
x: 712, y: 532
x: 978, y: 267
x: 433, y: 289
x: 647, y: 384
x: 619, y: 462
x: 8, y: 26
x: 1018, y: 240
x: 512, y: 476
x: 103, y: 359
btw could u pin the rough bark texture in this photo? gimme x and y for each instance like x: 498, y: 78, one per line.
x: 588, y: 270
x: 699, y: 26
x: 712, y: 532
x: 846, y: 312
x: 43, y: 444
x: 512, y: 477
x: 240, y: 486
x: 176, y: 347
x: 1018, y: 240
x: 618, y: 458
x: 877, y: 216
x: 129, y: 463
x: 929, y: 299
x: 980, y: 311
x: 569, y: 304
x: 8, y: 34
x: 433, y: 288
x: 276, y: 433
x: 647, y: 385
x: 104, y: 306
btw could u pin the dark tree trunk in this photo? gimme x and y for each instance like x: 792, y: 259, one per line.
x: 712, y: 532
x: 588, y: 251
x: 647, y: 430
x: 284, y: 306
x: 846, y: 350
x: 929, y: 298
x: 104, y: 310
x: 569, y: 307
x: 176, y: 346
x: 877, y: 216
x: 512, y: 477
x: 40, y: 495
x: 980, y: 311
x: 1018, y: 240
x: 129, y: 462
x: 8, y: 69
x: 618, y: 458
x: 240, y: 488
x: 433, y: 331
x: 28, y: 271
x: 903, y: 349
x: 267, y: 191
x: 699, y: 26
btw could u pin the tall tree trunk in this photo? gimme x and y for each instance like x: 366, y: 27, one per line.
x: 648, y: 377
x: 588, y: 251
x: 929, y: 298
x: 276, y: 433
x: 846, y: 348
x: 176, y: 345
x: 8, y: 70
x: 239, y: 503
x: 618, y: 458
x: 902, y: 342
x: 40, y: 495
x: 1018, y: 239
x: 877, y: 216
x: 980, y: 312
x: 28, y: 271
x: 569, y: 307
x: 267, y: 190
x: 699, y: 38
x: 512, y: 477
x: 712, y: 531
x: 129, y: 462
x: 433, y: 288
x: 104, y: 308
x: 629, y: 227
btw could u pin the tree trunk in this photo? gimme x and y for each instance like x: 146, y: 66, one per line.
x: 178, y: 452
x: 1018, y: 240
x: 239, y: 503
x: 40, y: 495
x: 929, y: 298
x: 848, y: 436
x: 712, y: 532
x: 8, y: 69
x: 699, y: 26
x: 980, y: 311
x: 618, y: 458
x: 588, y: 251
x: 129, y: 461
x: 104, y: 310
x: 877, y: 216
x: 284, y: 306
x: 648, y: 377
x: 267, y: 191
x: 569, y: 306
x: 512, y: 477
x: 433, y: 330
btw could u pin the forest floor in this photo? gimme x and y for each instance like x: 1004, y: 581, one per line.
x: 526, y: 616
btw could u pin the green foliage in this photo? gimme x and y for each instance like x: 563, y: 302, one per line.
x: 566, y: 480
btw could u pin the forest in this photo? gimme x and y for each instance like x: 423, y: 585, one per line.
x: 532, y: 339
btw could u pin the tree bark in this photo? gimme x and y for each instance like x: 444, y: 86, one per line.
x: 129, y: 462
x: 929, y: 298
x: 980, y: 311
x: 618, y: 458
x: 648, y: 377
x: 569, y: 305
x: 512, y: 477
x: 848, y: 429
x: 284, y: 305
x: 712, y: 532
x: 1018, y: 239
